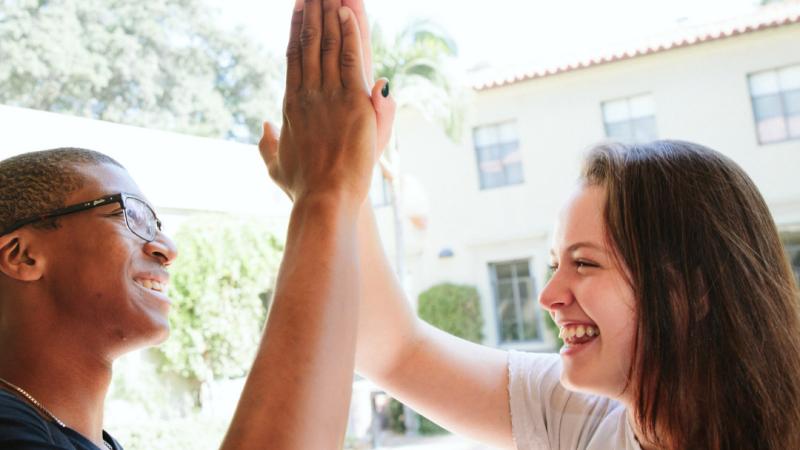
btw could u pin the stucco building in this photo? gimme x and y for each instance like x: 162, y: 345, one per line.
x: 484, y: 208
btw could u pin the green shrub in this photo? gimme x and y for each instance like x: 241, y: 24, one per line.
x: 396, y: 419
x: 217, y: 287
x: 453, y: 308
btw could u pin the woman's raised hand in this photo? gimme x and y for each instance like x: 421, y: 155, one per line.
x: 329, y: 137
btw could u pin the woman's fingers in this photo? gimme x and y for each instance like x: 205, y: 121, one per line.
x: 310, y: 41
x: 352, y: 62
x: 385, y: 107
x: 294, y: 52
x: 331, y: 45
x: 268, y: 145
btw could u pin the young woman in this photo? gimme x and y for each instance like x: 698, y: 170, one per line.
x: 674, y: 297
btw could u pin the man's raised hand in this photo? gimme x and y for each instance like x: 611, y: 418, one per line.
x: 320, y: 60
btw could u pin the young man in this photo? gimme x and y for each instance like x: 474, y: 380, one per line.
x: 83, y: 265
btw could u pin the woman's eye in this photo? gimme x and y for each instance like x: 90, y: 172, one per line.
x: 580, y: 264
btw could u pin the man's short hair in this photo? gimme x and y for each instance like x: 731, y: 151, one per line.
x: 36, y: 182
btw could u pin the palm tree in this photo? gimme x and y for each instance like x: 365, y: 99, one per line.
x: 415, y: 64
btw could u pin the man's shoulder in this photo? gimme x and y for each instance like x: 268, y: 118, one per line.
x: 14, y: 409
x: 22, y: 427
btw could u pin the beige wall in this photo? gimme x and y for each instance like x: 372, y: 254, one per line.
x: 701, y: 94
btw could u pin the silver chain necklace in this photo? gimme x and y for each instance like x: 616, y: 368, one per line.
x: 41, y: 407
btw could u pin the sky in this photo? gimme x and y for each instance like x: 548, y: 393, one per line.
x: 506, y: 34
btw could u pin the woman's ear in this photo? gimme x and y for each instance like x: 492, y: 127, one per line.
x: 16, y: 260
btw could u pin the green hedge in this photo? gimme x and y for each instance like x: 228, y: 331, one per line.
x: 219, y: 281
x: 453, y: 308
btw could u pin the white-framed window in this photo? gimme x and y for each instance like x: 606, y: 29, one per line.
x: 776, y: 103
x: 379, y: 189
x: 631, y: 119
x: 516, y: 307
x: 499, y: 155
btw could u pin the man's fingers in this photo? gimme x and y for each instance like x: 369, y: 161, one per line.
x: 357, y: 6
x: 310, y: 41
x: 385, y: 107
x: 331, y: 44
x: 294, y: 53
x: 352, y: 62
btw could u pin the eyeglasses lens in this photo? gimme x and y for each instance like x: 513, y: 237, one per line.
x: 141, y: 219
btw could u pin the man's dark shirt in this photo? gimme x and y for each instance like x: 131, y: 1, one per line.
x: 22, y: 428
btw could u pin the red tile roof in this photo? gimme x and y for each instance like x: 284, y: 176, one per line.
x: 763, y: 18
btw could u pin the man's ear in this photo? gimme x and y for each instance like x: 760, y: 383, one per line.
x: 16, y: 260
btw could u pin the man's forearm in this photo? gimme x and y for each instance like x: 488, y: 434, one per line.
x: 307, y: 351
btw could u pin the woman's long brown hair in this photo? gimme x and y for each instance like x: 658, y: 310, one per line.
x: 717, y: 357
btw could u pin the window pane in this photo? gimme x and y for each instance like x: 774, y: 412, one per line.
x: 507, y: 132
x: 643, y: 106
x: 644, y: 129
x: 506, y: 311
x: 493, y: 180
x: 793, y: 123
x: 791, y: 100
x: 514, y: 174
x: 767, y: 106
x: 485, y: 136
x: 790, y: 78
x: 491, y: 167
x: 517, y: 310
x: 511, y: 155
x: 530, y: 320
x: 772, y: 130
x: 487, y: 154
x: 524, y: 294
x: 616, y: 111
x: 764, y: 83
x: 523, y: 270
x: 529, y: 310
x: 619, y: 130
x: 505, y: 289
x: 503, y: 271
x: 507, y: 319
x: 497, y: 146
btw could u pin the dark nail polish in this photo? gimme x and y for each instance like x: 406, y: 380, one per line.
x: 385, y: 90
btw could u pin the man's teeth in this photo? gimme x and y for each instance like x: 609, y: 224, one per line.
x: 578, y: 331
x: 152, y: 284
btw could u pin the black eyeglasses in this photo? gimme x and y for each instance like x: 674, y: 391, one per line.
x: 139, y: 216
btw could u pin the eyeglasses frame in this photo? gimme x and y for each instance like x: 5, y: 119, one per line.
x: 83, y: 206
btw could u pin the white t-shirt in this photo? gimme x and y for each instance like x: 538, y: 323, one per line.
x: 544, y: 415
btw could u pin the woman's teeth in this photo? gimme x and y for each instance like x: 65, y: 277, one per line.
x: 151, y: 284
x: 576, y: 334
